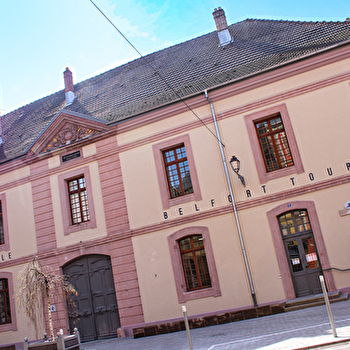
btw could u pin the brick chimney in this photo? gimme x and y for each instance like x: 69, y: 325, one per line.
x: 68, y: 86
x: 1, y: 141
x: 2, y: 152
x: 221, y: 27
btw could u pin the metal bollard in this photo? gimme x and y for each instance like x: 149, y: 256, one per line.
x: 77, y: 334
x: 25, y: 344
x: 325, y: 294
x: 187, y: 327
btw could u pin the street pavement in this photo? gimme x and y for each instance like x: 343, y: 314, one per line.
x: 301, y: 329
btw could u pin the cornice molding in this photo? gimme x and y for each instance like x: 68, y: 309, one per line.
x: 235, y: 111
x: 269, y: 76
x: 283, y: 96
x: 185, y: 220
x: 216, y: 94
x: 293, y: 192
x: 77, y: 247
x: 250, y: 203
x: 274, y: 74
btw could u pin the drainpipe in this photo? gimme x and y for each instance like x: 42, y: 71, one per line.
x: 249, y: 275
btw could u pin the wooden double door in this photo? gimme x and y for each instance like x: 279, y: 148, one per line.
x: 301, y: 252
x: 96, y: 311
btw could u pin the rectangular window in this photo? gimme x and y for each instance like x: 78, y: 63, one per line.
x: 178, y: 171
x: 194, y: 262
x: 5, y: 310
x: 273, y: 142
x: 2, y: 235
x: 274, y: 146
x: 78, y: 200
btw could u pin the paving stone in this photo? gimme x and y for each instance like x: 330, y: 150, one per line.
x: 299, y: 329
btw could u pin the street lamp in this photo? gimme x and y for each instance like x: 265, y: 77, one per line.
x: 236, y: 165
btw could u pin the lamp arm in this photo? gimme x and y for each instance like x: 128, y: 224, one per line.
x: 241, y: 178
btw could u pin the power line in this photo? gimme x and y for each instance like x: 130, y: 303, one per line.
x: 103, y: 14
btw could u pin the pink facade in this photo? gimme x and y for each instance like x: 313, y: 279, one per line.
x: 128, y: 198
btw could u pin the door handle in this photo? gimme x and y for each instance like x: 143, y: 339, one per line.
x: 100, y: 309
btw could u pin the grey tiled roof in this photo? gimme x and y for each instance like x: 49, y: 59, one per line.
x: 178, y: 71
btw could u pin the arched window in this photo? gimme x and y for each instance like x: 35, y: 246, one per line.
x: 194, y: 262
x: 294, y: 222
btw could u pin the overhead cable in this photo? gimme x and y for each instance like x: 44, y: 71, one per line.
x: 104, y: 15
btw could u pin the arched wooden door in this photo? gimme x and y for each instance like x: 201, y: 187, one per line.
x: 96, y: 314
x: 301, y: 252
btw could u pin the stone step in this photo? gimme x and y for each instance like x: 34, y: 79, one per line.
x: 317, y: 300
x: 311, y: 298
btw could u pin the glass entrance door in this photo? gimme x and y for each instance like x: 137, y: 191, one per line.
x: 301, y: 252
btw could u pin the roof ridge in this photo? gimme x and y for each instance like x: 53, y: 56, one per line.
x: 33, y: 102
x: 189, y: 67
x: 292, y: 21
x: 154, y: 53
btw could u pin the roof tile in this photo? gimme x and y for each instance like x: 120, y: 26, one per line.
x: 178, y: 71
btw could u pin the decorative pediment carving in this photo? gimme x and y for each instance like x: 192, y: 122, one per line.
x: 68, y: 134
x: 65, y: 129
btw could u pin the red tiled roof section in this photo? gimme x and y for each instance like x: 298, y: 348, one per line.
x: 188, y: 68
x: 22, y: 126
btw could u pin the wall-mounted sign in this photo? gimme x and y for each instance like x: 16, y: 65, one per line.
x: 71, y: 156
x: 347, y: 205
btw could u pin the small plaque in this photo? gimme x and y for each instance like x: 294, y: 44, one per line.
x: 71, y: 156
x: 296, y: 261
x: 344, y: 212
x: 311, y: 257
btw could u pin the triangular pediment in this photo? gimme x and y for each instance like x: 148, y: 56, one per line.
x: 66, y: 129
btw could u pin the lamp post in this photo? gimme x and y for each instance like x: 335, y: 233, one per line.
x: 236, y: 165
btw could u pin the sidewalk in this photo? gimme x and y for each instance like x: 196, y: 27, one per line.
x: 292, y: 330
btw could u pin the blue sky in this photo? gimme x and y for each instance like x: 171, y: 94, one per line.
x: 39, y: 38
